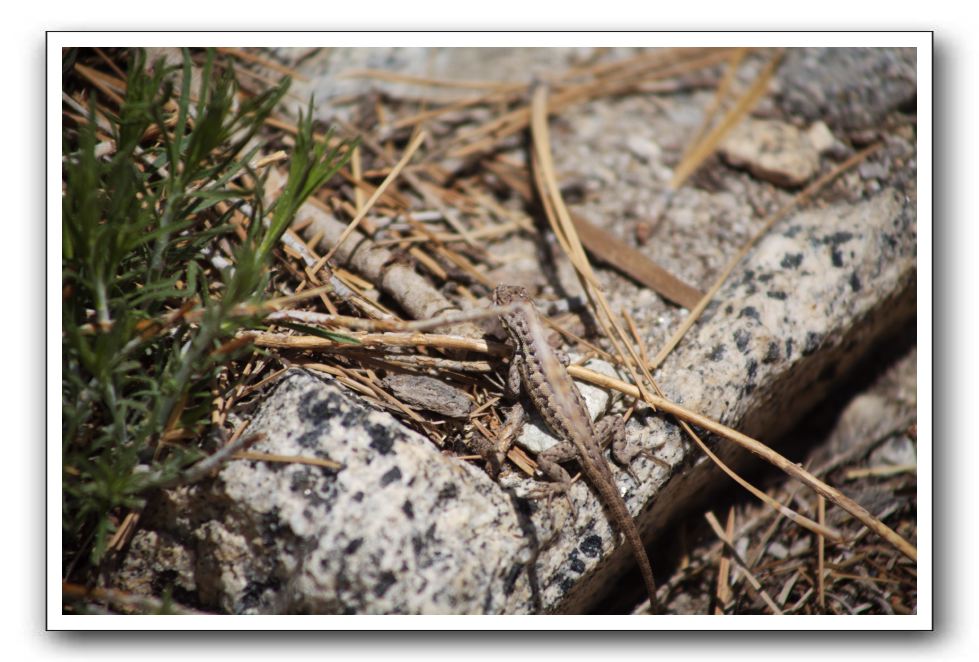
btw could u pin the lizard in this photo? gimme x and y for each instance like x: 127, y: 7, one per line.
x: 536, y: 368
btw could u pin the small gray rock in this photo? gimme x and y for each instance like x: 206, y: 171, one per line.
x: 771, y: 150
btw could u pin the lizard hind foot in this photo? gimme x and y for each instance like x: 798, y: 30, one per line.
x: 632, y: 474
x: 548, y: 491
x: 650, y: 454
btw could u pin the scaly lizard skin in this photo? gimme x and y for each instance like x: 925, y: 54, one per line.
x: 536, y: 367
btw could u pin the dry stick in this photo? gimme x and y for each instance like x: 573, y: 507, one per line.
x: 409, y: 151
x: 761, y: 545
x: 82, y: 114
x: 488, y: 232
x: 752, y: 581
x: 759, y: 449
x: 436, y: 363
x: 643, y: 62
x: 359, y: 323
x: 281, y: 341
x: 112, y: 65
x: 355, y: 287
x: 102, y: 82
x: 292, y: 240
x: 263, y: 161
x: 800, y: 603
x: 411, y: 120
x: 723, y: 591
x: 262, y: 383
x: 636, y: 264
x: 787, y: 588
x: 245, y: 56
x: 340, y: 375
x: 821, y: 553
x: 803, y: 196
x: 124, y: 532
x: 392, y: 77
x: 279, y: 303
x: 706, y: 146
x: 357, y: 172
x: 200, y: 469
x: 426, y: 261
x: 722, y: 89
x: 310, y: 259
x: 287, y: 459
x: 881, y: 471
x: 637, y: 341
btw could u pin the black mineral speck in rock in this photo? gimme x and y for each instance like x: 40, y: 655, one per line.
x: 391, y: 476
x: 591, y: 546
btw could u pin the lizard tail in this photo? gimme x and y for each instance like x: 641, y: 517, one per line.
x: 645, y: 569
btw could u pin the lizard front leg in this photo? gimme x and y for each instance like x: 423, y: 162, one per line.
x: 509, y: 432
x: 514, y: 380
x: 549, y: 466
x: 496, y: 451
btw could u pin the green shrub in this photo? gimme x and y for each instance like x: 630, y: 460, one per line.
x: 145, y: 304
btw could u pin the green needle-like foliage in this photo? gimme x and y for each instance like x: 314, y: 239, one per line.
x: 139, y: 230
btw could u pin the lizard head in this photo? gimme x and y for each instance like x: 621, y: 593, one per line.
x: 507, y: 294
x: 504, y: 294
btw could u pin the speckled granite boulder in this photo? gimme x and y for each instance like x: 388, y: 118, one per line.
x: 401, y: 528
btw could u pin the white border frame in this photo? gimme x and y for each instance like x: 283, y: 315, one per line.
x: 920, y: 40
